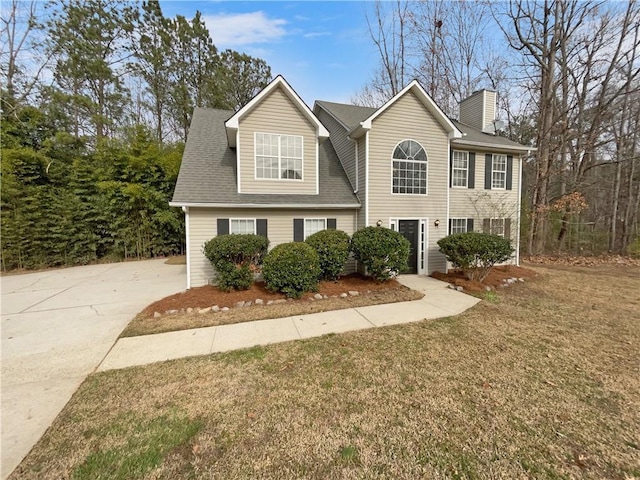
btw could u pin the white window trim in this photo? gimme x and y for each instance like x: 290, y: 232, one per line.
x: 255, y: 158
x: 231, y: 220
x: 426, y: 190
x: 491, y: 220
x: 493, y: 170
x: 304, y: 230
x: 466, y: 170
x: 466, y: 223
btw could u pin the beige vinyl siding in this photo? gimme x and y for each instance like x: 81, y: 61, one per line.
x: 489, y: 107
x: 471, y: 111
x: 344, y: 147
x: 203, y: 226
x: 407, y: 118
x: 479, y: 110
x: 277, y: 114
x: 478, y: 203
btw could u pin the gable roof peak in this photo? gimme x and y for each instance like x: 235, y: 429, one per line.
x: 279, y: 81
x: 422, y: 95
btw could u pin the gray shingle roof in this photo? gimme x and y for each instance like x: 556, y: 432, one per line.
x: 208, y: 174
x: 349, y: 115
x: 474, y: 135
x: 352, y: 115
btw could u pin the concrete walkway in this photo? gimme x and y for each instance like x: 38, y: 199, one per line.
x: 57, y: 326
x: 439, y: 301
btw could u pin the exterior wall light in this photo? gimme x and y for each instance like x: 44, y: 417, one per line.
x: 436, y: 223
x: 379, y: 223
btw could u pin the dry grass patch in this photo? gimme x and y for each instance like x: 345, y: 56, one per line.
x: 541, y: 383
x: 176, y: 260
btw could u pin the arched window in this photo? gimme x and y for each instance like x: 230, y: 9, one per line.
x: 409, y: 168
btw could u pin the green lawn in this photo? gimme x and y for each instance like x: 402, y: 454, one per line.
x: 540, y: 382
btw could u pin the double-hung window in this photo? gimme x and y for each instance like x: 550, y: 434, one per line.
x: 314, y: 225
x: 278, y: 157
x: 460, y: 169
x: 497, y: 226
x: 409, y: 168
x: 242, y: 225
x: 458, y: 225
x: 499, y: 172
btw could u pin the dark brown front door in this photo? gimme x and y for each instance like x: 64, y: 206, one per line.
x: 409, y: 230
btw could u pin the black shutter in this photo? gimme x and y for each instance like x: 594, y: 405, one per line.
x: 450, y: 225
x: 261, y: 227
x: 486, y: 225
x: 487, y: 171
x: 298, y: 229
x: 450, y: 167
x: 223, y: 226
x: 507, y: 228
x: 469, y: 224
x: 331, y: 223
x: 509, y: 172
x: 471, y: 180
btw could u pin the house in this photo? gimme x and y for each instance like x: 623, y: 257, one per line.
x: 277, y: 168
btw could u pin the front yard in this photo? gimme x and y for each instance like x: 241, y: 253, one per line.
x: 538, y: 381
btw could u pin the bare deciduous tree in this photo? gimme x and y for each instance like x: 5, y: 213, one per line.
x: 19, y: 65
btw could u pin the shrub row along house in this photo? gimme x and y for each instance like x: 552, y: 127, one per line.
x: 280, y: 169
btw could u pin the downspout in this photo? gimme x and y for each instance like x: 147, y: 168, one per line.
x: 519, y: 208
x: 356, y: 162
x: 366, y: 179
x: 186, y: 228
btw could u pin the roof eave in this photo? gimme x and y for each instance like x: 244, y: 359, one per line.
x: 359, y: 130
x: 231, y: 136
x: 314, y: 206
x: 494, y: 146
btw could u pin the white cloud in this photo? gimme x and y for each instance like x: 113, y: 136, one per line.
x: 231, y: 30
x: 316, y: 34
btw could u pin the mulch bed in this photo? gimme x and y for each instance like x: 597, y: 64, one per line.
x: 494, y: 280
x: 207, y: 296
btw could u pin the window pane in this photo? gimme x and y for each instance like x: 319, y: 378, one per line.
x: 409, y: 177
x: 458, y: 225
x: 460, y: 169
x: 497, y: 226
x: 242, y: 226
x: 278, y: 156
x: 499, y: 171
x: 314, y: 225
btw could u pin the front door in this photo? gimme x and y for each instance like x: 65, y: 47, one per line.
x: 409, y: 229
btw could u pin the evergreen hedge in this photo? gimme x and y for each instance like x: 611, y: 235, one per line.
x: 235, y: 258
x: 332, y: 247
x: 383, y: 251
x: 291, y: 268
x: 475, y: 253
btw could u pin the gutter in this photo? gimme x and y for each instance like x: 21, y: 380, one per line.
x: 327, y: 206
x: 493, y: 146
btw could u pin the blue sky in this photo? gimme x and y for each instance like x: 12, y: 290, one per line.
x: 323, y: 49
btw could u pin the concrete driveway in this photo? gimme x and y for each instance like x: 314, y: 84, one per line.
x: 57, y: 326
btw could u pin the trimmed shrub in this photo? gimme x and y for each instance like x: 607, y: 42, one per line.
x: 235, y: 258
x: 383, y: 251
x: 475, y: 253
x: 332, y: 247
x: 291, y: 268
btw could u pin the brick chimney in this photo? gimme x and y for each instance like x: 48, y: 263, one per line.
x: 479, y: 110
